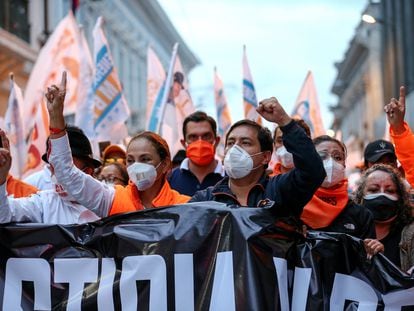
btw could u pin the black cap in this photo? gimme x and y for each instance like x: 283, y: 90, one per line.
x: 378, y: 148
x: 79, y: 145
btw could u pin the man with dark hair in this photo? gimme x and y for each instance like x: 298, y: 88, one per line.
x: 200, y: 169
x: 380, y: 151
x: 248, y: 149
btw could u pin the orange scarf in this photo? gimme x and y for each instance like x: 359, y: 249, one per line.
x: 325, y: 206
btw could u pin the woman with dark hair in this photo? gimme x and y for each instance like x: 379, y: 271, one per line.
x: 148, y: 162
x: 282, y: 160
x: 331, y: 209
x: 382, y: 191
x: 114, y: 174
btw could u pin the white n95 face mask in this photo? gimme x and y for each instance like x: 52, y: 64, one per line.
x: 142, y: 175
x: 284, y: 157
x: 335, y: 173
x: 237, y: 163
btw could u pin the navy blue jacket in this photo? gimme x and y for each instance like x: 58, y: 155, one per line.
x: 287, y: 193
x: 185, y: 182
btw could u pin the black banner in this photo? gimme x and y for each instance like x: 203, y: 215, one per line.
x: 199, y: 256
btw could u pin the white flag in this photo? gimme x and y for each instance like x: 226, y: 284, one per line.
x: 183, y: 103
x: 307, y: 107
x: 37, y: 140
x: 84, y: 117
x: 60, y: 53
x: 155, y: 79
x: 163, y: 118
x: 249, y: 93
x: 15, y: 129
x: 111, y: 108
x: 223, y: 112
x: 179, y: 103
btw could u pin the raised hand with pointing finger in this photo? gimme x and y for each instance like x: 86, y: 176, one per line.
x: 55, y: 96
x: 395, y: 111
x: 401, y: 134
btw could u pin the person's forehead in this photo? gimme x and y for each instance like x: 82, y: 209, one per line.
x: 198, y: 128
x: 109, y: 170
x: 141, y: 146
x: 329, y: 146
x: 243, y: 132
x: 379, y: 178
x: 279, y: 132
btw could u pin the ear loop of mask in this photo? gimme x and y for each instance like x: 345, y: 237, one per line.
x: 253, y: 155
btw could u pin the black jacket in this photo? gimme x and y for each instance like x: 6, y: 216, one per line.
x: 287, y: 193
x: 354, y: 220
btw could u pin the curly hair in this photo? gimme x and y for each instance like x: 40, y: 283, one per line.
x: 404, y: 209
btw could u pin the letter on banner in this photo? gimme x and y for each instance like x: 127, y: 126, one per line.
x: 27, y: 269
x: 347, y: 287
x: 397, y: 300
x: 301, y: 284
x: 222, y: 296
x: 139, y: 268
x: 282, y: 283
x: 76, y: 272
x: 106, y: 282
x: 184, y: 282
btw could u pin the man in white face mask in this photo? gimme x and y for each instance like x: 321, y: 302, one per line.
x: 248, y: 151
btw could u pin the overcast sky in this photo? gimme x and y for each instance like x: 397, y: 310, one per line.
x: 284, y: 39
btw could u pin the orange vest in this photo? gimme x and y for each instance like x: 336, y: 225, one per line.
x: 127, y: 199
x: 18, y: 188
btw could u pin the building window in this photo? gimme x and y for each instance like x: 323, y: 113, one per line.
x: 14, y: 18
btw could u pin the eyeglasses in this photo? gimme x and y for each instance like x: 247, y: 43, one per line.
x: 335, y: 155
x: 111, y: 179
x: 115, y: 160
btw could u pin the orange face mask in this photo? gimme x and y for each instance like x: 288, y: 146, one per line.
x: 200, y: 152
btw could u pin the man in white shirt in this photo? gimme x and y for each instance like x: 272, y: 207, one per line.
x: 48, y: 206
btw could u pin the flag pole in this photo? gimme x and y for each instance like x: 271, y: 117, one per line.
x: 168, y: 82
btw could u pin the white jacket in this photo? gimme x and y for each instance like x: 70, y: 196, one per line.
x: 85, y: 189
x: 43, y: 207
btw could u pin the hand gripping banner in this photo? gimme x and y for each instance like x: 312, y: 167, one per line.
x: 198, y: 256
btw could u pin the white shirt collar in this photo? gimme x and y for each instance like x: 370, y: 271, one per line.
x: 218, y: 170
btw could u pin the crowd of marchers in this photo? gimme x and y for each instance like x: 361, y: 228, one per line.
x: 301, y: 179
